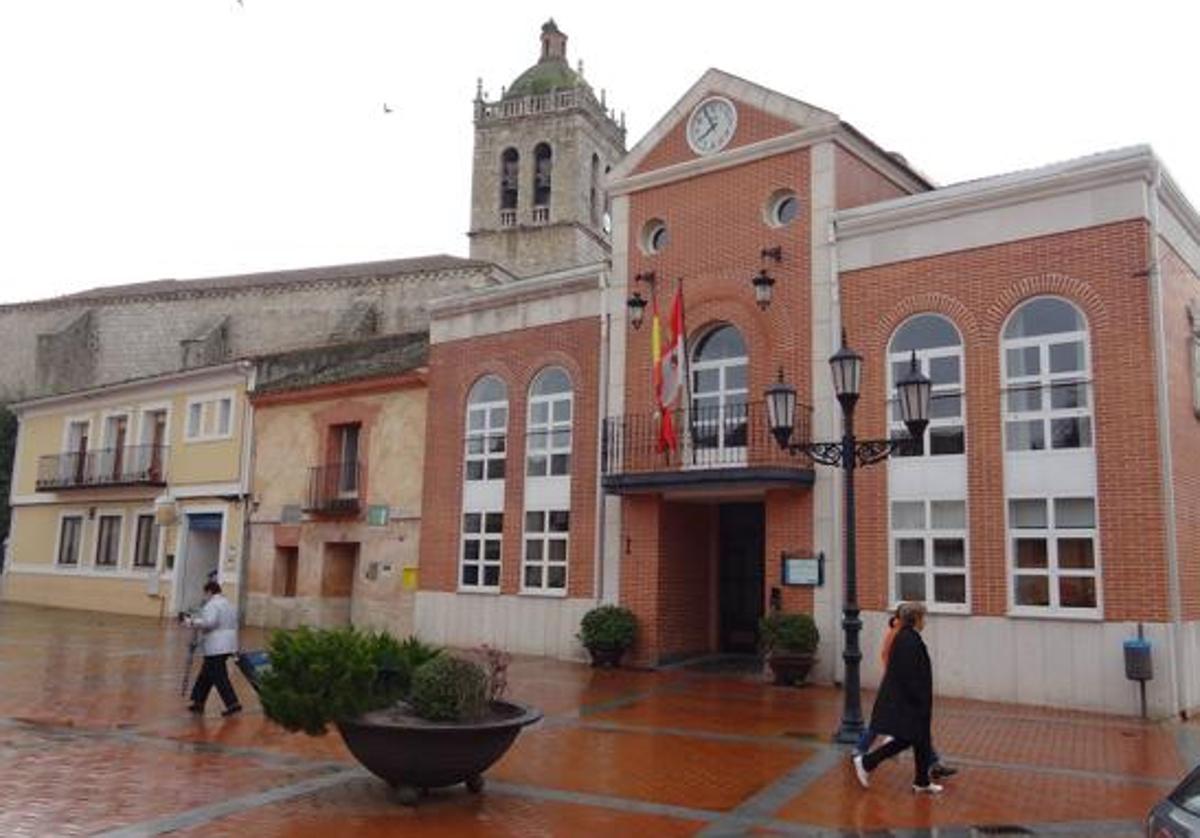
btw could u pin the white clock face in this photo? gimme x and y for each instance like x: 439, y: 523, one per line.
x: 711, y: 125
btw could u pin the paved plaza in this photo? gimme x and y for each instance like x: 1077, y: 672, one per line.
x: 94, y: 738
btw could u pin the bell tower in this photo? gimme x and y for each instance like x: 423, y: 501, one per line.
x: 542, y: 151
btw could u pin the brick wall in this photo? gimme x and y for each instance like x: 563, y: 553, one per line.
x: 1097, y: 270
x: 687, y: 600
x: 1181, y: 287
x: 753, y: 125
x: 858, y: 184
x: 516, y: 357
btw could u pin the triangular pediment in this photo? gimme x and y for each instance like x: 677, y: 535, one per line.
x: 763, y: 113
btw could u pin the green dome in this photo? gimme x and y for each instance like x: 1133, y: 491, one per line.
x: 543, y: 77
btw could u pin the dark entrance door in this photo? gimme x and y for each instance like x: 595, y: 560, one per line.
x: 740, y: 575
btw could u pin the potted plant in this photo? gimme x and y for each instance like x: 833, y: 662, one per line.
x: 606, y: 632
x: 414, y: 716
x: 789, y: 642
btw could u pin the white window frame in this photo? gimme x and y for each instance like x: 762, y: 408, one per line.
x: 549, y: 429
x: 924, y: 359
x: 118, y: 558
x: 1044, y: 381
x: 486, y: 433
x: 928, y: 534
x: 65, y: 448
x: 544, y: 537
x: 106, y: 460
x: 1053, y: 572
x: 209, y: 402
x: 80, y: 552
x: 720, y: 454
x: 156, y: 542
x: 482, y: 537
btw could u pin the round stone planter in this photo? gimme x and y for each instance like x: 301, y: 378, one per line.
x: 790, y: 668
x: 606, y: 655
x: 413, y: 755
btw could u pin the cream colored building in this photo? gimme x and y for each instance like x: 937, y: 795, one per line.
x: 127, y: 498
x: 339, y: 442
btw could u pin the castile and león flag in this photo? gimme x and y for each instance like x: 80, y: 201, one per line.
x: 670, y: 370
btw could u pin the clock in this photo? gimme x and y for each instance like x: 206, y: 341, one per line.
x: 711, y: 125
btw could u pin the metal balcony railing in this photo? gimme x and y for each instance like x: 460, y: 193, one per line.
x: 131, y: 465
x: 721, y: 437
x: 335, y: 488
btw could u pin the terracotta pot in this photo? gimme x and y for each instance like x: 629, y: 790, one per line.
x: 790, y: 668
x: 413, y: 754
x: 606, y: 655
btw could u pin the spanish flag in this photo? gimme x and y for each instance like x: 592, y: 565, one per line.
x: 669, y: 372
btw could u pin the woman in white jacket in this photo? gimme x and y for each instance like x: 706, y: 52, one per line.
x: 218, y: 625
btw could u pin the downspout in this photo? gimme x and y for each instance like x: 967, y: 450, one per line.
x: 1159, y: 327
x: 602, y: 401
x: 245, y: 496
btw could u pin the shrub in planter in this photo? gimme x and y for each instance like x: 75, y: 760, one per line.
x: 449, y: 689
x: 606, y: 632
x: 789, y: 642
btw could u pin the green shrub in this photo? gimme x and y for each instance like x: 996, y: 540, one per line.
x: 321, y: 676
x: 608, y: 627
x: 449, y: 689
x: 788, y: 633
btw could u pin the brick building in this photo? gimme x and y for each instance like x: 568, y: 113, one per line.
x: 1049, y: 514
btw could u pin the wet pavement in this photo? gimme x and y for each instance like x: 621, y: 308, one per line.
x: 94, y: 739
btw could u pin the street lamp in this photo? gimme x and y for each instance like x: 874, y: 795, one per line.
x: 763, y: 282
x: 636, y: 302
x: 913, y: 391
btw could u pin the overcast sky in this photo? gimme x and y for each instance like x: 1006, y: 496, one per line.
x: 143, y: 139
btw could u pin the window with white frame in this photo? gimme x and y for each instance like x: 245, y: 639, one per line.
x: 145, y: 545
x: 548, y: 450
x: 108, y: 541
x: 1053, y: 555
x: 546, y: 536
x: 70, y: 537
x: 487, y: 429
x: 929, y: 553
x: 482, y: 535
x: 720, y: 373
x: 1047, y: 381
x: 209, y: 417
x: 939, y: 354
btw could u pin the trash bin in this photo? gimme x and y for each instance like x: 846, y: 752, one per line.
x: 1139, y: 666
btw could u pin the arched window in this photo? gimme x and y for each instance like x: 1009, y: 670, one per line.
x: 939, y: 356
x: 542, y: 165
x: 1053, y: 521
x: 1046, y: 378
x: 487, y: 426
x: 548, y: 453
x: 510, y: 178
x: 720, y: 369
x: 927, y: 489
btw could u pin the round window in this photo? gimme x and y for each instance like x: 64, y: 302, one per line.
x: 655, y: 236
x: 782, y: 208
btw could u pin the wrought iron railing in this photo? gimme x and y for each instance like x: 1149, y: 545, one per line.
x: 726, y: 436
x: 129, y: 465
x: 335, y: 488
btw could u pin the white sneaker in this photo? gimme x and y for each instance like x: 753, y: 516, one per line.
x: 863, y: 777
x: 887, y: 739
x: 932, y: 788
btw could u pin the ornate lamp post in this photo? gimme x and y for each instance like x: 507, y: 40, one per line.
x: 913, y: 392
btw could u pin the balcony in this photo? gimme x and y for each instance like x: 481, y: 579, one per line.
x: 335, y: 489
x: 134, y: 465
x: 726, y: 448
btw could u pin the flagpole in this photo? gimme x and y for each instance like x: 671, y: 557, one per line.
x: 686, y: 362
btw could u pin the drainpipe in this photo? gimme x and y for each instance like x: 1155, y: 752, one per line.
x: 1158, y: 321
x: 602, y: 401
x: 244, y: 495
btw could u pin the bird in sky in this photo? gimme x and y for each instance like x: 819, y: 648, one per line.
x: 386, y: 109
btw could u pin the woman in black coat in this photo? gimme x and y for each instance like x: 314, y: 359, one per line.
x: 904, y: 706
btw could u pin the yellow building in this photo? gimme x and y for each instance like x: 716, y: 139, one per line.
x: 127, y: 498
x: 339, y: 435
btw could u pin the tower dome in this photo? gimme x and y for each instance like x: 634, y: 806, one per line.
x: 551, y: 72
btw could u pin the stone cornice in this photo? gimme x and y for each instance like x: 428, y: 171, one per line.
x: 229, y: 371
x: 1072, y: 176
x: 1176, y: 202
x: 585, y: 278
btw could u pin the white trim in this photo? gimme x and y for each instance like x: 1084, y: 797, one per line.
x: 95, y: 552
x: 1051, y: 534
x: 482, y: 563
x: 544, y: 537
x: 34, y: 569
x: 73, y: 419
x: 66, y: 513
x: 144, y: 410
x: 137, y: 515
x: 928, y: 569
x: 203, y: 490
x: 213, y: 398
x: 182, y: 528
x: 546, y: 286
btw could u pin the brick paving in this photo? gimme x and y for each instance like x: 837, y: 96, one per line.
x: 94, y: 740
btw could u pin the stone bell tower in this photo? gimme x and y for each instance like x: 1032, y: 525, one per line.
x: 541, y: 154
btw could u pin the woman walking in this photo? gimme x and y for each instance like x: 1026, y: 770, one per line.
x: 904, y: 706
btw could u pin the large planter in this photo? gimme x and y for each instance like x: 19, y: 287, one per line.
x: 606, y: 655
x: 790, y: 668
x: 413, y: 755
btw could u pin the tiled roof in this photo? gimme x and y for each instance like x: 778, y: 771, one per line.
x: 342, y: 362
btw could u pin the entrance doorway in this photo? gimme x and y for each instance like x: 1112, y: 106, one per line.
x: 740, y: 575
x: 201, y: 557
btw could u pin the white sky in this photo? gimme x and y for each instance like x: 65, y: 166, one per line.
x: 142, y: 139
